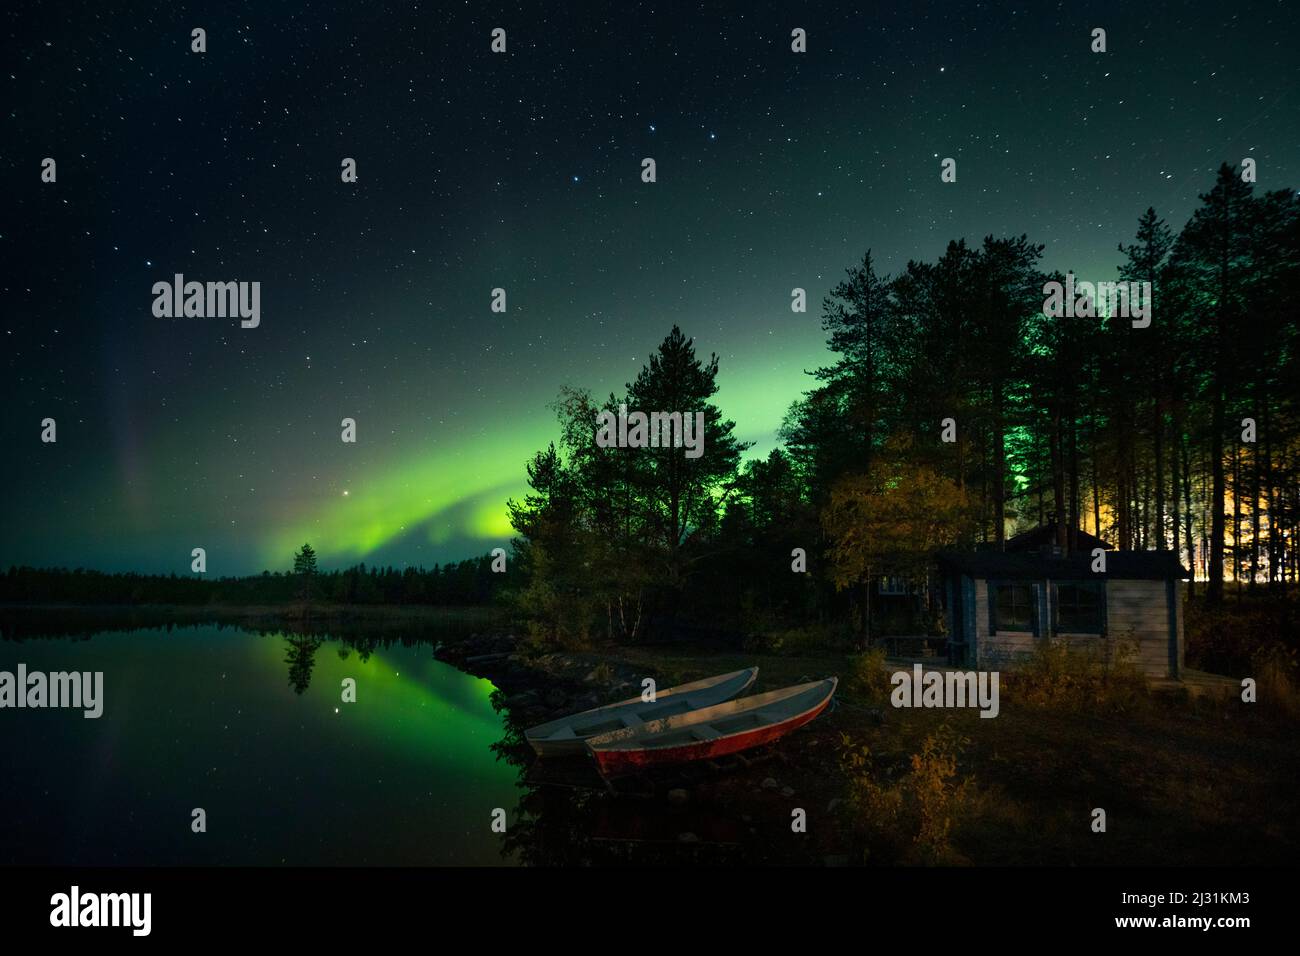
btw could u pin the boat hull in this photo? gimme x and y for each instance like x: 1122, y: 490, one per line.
x: 565, y: 738
x: 612, y: 763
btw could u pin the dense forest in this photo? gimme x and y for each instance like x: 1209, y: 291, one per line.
x: 952, y: 411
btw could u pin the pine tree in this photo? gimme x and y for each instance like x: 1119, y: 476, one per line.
x: 304, y: 566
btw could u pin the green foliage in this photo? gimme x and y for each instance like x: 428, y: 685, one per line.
x: 304, y: 566
x: 304, y: 562
x: 605, y: 532
x: 868, y: 676
x: 806, y: 639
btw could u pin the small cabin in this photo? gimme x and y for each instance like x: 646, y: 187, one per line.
x: 1000, y: 604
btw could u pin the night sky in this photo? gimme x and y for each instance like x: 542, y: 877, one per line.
x: 522, y: 171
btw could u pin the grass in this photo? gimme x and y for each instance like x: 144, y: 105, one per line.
x: 1181, y: 781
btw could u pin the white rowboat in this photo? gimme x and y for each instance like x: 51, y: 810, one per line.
x: 567, y: 735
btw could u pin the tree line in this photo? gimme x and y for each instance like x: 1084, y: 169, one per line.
x: 952, y: 412
x: 462, y: 583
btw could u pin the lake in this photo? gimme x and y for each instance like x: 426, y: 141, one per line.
x: 251, y: 727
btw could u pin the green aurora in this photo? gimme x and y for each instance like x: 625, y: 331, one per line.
x: 460, y: 494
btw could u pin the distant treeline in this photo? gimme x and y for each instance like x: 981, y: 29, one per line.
x: 468, y: 582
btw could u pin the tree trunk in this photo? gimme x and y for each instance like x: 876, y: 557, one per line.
x: 1073, y: 543
x: 1214, y: 570
x: 1175, y: 504
x: 999, y: 470
x: 1187, y: 510
x: 1158, y: 524
x: 1058, y: 479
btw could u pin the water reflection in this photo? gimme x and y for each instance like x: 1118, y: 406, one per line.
x: 424, y: 760
x: 301, y: 658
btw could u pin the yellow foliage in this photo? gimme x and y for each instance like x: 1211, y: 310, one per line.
x: 892, y: 519
x: 909, y: 819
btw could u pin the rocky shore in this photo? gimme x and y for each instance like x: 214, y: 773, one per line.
x: 744, y: 811
x: 541, y: 687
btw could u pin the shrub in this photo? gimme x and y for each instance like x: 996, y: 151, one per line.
x: 794, y: 641
x: 1099, y: 675
x: 1225, y: 640
x: 909, y: 819
x: 1274, y: 668
x: 868, y: 676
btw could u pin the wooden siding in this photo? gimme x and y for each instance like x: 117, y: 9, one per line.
x: 1137, y: 612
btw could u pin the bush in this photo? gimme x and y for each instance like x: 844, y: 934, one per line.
x: 1274, y: 667
x: 868, y: 676
x: 909, y: 819
x: 1058, y: 675
x: 797, y: 641
x: 1225, y: 640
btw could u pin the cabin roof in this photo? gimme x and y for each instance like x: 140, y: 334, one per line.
x: 1131, y: 565
x: 1035, y: 538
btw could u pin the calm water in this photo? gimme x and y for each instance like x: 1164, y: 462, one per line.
x: 251, y: 727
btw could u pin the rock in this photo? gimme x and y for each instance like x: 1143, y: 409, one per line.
x: 556, y: 698
x: 787, y: 791
x: 830, y: 807
x: 769, y: 783
x: 678, y: 797
x: 687, y: 838
x: 836, y: 859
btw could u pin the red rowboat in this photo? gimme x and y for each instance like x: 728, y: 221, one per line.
x: 711, y: 731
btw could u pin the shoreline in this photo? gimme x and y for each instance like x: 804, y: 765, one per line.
x: 1029, y: 771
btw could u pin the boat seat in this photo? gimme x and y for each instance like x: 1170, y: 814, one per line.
x: 705, y: 732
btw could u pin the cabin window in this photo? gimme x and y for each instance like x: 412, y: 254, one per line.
x: 1014, y: 607
x: 893, y: 585
x: 1078, y: 607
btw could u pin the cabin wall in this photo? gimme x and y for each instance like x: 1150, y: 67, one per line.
x: 1137, y: 612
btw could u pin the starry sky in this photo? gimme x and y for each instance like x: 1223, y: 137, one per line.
x: 522, y: 171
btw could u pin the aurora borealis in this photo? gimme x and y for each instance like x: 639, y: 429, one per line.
x: 521, y: 171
